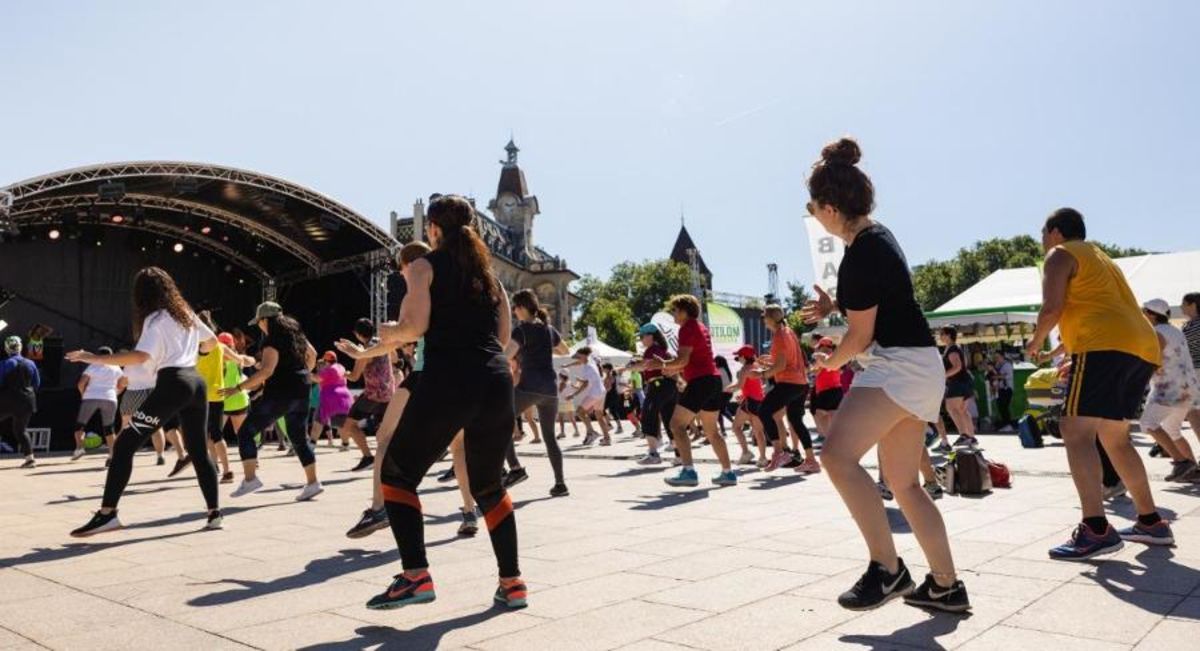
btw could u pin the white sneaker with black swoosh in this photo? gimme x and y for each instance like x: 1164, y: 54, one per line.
x: 877, y: 587
x: 931, y: 595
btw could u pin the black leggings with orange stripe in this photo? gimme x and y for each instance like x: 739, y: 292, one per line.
x: 479, y: 402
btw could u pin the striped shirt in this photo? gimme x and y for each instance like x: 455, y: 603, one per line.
x: 1191, y: 330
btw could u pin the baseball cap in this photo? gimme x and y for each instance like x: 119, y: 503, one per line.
x: 12, y: 344
x: 1157, y: 306
x: 825, y: 341
x: 745, y: 352
x: 647, y: 329
x: 265, y: 311
x: 226, y: 338
x: 330, y: 357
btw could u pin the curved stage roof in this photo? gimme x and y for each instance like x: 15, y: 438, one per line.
x: 273, y: 228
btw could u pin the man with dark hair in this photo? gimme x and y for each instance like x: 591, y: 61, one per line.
x: 1191, y: 332
x: 1114, y: 353
x: 19, y: 382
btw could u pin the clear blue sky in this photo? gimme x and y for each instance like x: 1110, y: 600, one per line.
x: 977, y: 118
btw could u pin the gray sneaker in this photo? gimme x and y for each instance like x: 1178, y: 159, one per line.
x: 1179, y: 469
x: 1114, y: 491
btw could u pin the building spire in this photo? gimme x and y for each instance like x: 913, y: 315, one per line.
x: 512, y: 149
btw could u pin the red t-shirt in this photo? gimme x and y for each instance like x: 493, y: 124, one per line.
x: 694, y: 335
x: 784, y: 345
x: 752, y: 388
x: 828, y: 379
x: 654, y: 352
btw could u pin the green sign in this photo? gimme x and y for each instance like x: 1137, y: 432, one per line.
x: 725, y: 327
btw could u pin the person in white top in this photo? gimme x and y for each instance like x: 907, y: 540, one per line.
x: 98, y: 389
x: 139, y: 379
x: 1173, y: 389
x: 170, y: 336
x: 589, y: 396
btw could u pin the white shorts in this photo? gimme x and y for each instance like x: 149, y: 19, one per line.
x: 1166, y: 418
x: 590, y: 403
x: 913, y: 378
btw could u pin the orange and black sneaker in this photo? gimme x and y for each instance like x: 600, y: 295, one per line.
x: 405, y: 591
x: 512, y: 594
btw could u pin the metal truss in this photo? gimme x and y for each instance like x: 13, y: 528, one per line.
x: 24, y: 189
x: 379, y: 285
x: 50, y: 204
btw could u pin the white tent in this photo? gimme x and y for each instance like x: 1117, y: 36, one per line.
x: 603, y: 351
x: 1014, y: 295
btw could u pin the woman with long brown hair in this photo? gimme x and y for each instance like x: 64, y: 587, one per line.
x: 170, y: 337
x: 456, y: 302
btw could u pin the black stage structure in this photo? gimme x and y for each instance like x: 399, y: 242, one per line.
x: 71, y: 241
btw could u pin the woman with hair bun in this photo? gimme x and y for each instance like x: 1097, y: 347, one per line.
x: 898, y: 391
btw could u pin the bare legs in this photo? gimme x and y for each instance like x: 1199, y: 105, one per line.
x: 1079, y: 436
x: 961, y: 416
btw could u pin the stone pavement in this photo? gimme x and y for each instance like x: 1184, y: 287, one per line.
x: 624, y: 562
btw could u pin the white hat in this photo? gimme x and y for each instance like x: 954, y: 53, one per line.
x: 1158, y: 306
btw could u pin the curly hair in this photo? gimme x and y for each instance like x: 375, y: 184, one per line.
x: 154, y: 289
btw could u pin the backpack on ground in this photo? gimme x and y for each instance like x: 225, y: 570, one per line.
x: 967, y: 473
x: 1030, y: 432
x: 1001, y: 475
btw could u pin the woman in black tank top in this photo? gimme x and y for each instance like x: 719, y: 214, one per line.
x: 959, y: 386
x: 456, y: 303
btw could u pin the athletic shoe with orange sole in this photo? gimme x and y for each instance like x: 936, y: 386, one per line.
x: 405, y: 591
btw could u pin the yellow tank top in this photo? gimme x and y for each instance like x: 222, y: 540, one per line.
x: 211, y: 367
x: 1101, y: 312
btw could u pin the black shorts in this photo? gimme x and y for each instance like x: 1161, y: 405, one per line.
x: 960, y: 389
x: 1107, y: 384
x: 364, y: 407
x: 750, y: 406
x: 827, y: 400
x: 703, y: 394
x: 410, y: 380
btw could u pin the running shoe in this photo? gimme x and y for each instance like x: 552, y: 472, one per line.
x: 30, y: 462
x: 559, y: 490
x: 215, y: 521
x: 676, y: 462
x: 1179, y: 469
x: 561, y: 436
x: 1156, y: 450
x: 877, y: 587
x: 966, y: 441
x: 762, y: 463
x: 1115, y: 491
x: 404, y: 592
x: 179, y: 466
x: 1085, y: 544
x: 512, y: 595
x: 281, y: 447
x: 446, y: 476
x: 726, y: 478
x: 651, y: 459
x: 746, y: 459
x: 470, y: 523
x: 310, y: 491
x: 944, y: 448
x: 370, y: 522
x: 77, y: 454
x: 364, y: 463
x: 931, y: 595
x: 1158, y: 533
x: 931, y: 437
x: 686, y: 477
x: 778, y: 460
x: 515, y: 477
x: 605, y: 442
x: 590, y: 439
x: 884, y: 491
x: 161, y: 461
x: 809, y: 467
x: 227, y: 478
x: 98, y: 524
x: 934, y: 489
x: 246, y: 487
x: 345, y: 448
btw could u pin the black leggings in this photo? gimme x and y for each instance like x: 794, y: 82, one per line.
x: 547, y: 409
x: 266, y: 411
x: 16, y: 410
x: 178, y: 393
x: 216, y: 421
x: 661, y: 396
x: 790, y: 397
x: 476, y: 398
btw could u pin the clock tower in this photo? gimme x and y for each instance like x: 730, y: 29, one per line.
x: 513, y: 206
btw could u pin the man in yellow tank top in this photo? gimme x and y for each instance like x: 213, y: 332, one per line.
x: 1114, y: 352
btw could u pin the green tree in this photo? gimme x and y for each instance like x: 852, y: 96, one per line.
x: 797, y: 296
x: 633, y: 293
x: 613, y: 321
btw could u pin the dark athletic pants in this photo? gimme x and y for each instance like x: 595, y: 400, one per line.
x: 216, y: 417
x: 266, y: 411
x: 547, y: 409
x: 659, y: 405
x: 15, y: 411
x: 790, y: 397
x: 472, y: 395
x: 178, y: 393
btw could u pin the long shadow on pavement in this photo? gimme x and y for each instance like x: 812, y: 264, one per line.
x: 776, y: 481
x: 1117, y: 577
x: 922, y: 635
x: 426, y: 637
x: 316, y: 571
x: 667, y: 500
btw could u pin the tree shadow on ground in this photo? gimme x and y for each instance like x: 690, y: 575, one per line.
x: 1134, y: 585
x: 667, y: 500
x: 316, y: 571
x: 426, y: 637
x: 922, y: 635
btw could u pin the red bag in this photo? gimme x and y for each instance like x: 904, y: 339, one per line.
x: 1001, y: 477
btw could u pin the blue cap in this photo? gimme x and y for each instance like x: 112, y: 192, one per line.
x: 648, y: 329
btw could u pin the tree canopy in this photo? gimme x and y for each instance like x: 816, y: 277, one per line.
x: 633, y: 293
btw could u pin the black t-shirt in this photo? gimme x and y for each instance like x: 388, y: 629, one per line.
x: 462, y: 330
x: 291, y: 378
x: 537, y: 341
x: 874, y: 273
x: 961, y: 375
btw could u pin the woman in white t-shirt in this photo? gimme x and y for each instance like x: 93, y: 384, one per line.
x: 589, y: 397
x: 169, y: 338
x: 98, y: 389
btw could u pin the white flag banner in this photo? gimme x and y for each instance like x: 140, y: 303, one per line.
x: 827, y: 252
x: 670, y: 331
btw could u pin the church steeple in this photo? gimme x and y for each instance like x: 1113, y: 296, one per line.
x: 512, y: 150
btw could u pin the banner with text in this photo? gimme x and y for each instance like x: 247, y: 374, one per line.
x: 827, y: 252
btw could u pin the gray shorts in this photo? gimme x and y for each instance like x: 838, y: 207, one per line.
x: 88, y: 408
x: 132, y: 400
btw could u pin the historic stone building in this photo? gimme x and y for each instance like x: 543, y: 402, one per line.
x: 509, y: 233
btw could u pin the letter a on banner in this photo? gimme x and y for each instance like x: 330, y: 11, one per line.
x: 827, y: 252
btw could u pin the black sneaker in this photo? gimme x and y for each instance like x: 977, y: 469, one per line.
x: 797, y: 459
x: 215, y: 521
x: 931, y: 595
x: 161, y: 461
x: 446, y: 476
x: 98, y: 524
x: 470, y: 524
x: 559, y: 490
x: 370, y: 522
x: 364, y: 463
x: 515, y: 477
x: 404, y: 592
x: 179, y: 466
x: 877, y: 587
